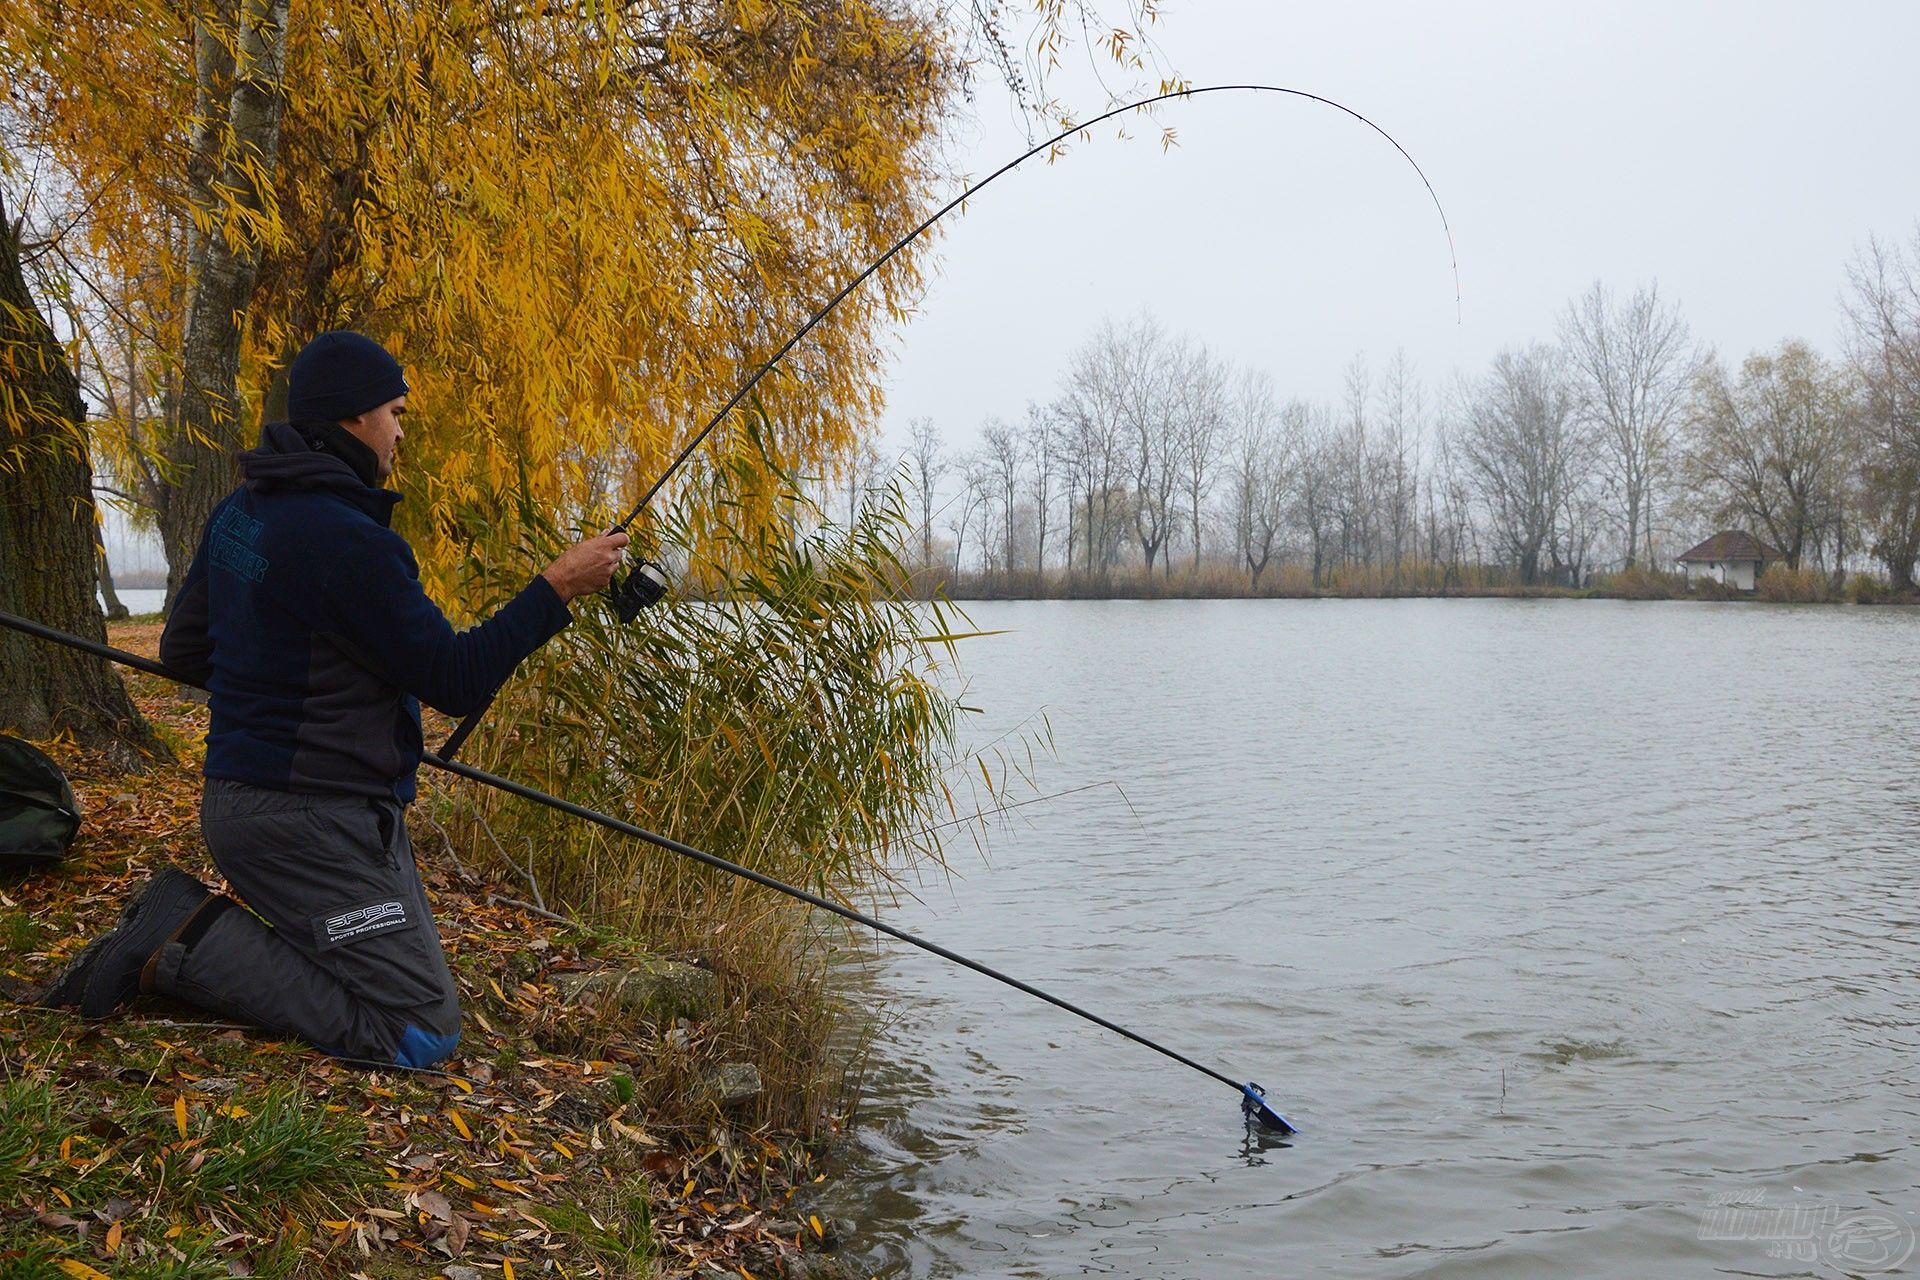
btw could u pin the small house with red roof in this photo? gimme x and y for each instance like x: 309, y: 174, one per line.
x: 1733, y: 558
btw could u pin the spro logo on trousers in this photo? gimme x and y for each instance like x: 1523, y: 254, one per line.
x: 371, y: 918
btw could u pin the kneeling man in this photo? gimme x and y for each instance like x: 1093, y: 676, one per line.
x: 304, y: 616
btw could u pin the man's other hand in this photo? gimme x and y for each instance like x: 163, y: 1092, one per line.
x: 586, y: 566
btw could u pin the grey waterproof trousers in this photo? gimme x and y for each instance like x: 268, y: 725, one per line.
x: 348, y: 957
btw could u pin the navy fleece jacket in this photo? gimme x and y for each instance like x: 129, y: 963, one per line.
x: 304, y: 615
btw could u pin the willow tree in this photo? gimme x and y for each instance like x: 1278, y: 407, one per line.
x: 48, y: 549
x: 580, y: 228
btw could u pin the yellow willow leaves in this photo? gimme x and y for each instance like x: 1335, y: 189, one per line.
x: 580, y: 230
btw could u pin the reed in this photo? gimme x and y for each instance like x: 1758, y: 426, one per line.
x: 1640, y: 583
x: 1215, y: 580
x: 785, y: 710
x: 1781, y: 585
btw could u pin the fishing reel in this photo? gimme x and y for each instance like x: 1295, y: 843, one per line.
x: 645, y: 586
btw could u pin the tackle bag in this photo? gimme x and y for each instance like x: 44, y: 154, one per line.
x: 38, y: 814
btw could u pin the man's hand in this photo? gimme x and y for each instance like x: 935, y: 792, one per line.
x: 586, y: 567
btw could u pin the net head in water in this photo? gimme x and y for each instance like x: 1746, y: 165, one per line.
x: 1256, y: 1108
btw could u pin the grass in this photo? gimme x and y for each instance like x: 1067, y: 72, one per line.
x: 19, y: 933
x: 144, y: 1190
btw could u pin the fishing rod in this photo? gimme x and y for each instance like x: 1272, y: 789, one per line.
x: 1253, y: 1099
x: 630, y: 597
x: 646, y: 584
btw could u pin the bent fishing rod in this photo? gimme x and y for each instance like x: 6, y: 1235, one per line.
x: 646, y: 584
x: 1253, y: 1099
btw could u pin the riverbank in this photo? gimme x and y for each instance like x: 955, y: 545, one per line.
x: 1290, y: 582
x: 163, y: 1144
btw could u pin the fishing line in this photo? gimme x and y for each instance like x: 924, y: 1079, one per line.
x: 746, y: 388
x: 1253, y: 1101
x: 647, y: 583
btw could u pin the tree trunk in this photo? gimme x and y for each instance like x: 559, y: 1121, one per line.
x: 207, y: 434
x: 49, y: 561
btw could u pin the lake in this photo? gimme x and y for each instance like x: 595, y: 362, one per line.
x: 1578, y: 938
x: 142, y: 599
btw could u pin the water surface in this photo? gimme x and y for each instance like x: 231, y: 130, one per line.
x: 1577, y: 936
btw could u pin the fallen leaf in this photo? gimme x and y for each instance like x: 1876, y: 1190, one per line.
x: 180, y: 1114
x: 434, y: 1203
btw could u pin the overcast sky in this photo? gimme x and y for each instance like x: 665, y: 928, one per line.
x: 1737, y: 153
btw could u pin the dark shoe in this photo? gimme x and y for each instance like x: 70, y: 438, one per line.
x: 107, y: 973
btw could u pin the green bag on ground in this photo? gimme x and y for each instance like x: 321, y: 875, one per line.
x: 38, y: 814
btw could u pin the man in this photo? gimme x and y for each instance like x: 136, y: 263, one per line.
x: 304, y: 616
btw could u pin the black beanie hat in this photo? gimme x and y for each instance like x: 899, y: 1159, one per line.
x: 341, y: 374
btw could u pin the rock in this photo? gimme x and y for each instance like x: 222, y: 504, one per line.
x: 731, y: 1083
x: 655, y: 990
x: 460, y: 1273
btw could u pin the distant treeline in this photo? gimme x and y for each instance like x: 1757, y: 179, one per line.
x: 1159, y: 469
x: 1217, y: 581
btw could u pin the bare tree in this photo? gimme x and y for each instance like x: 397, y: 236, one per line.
x: 864, y: 474
x: 964, y: 509
x: 1358, y: 467
x: 999, y: 466
x: 926, y: 464
x: 1098, y: 437
x: 1449, y: 501
x: 1150, y: 367
x: 1767, y: 446
x: 1042, y: 444
x: 1201, y: 410
x: 1631, y: 365
x: 1258, y: 475
x: 1317, y: 478
x: 1883, y: 339
x: 1521, y: 442
x: 1398, y: 412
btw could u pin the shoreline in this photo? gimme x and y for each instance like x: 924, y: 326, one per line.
x: 160, y: 1140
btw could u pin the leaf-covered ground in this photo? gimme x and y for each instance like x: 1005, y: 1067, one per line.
x: 161, y: 1143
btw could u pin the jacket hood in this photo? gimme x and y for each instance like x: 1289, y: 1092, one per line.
x: 287, y: 459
